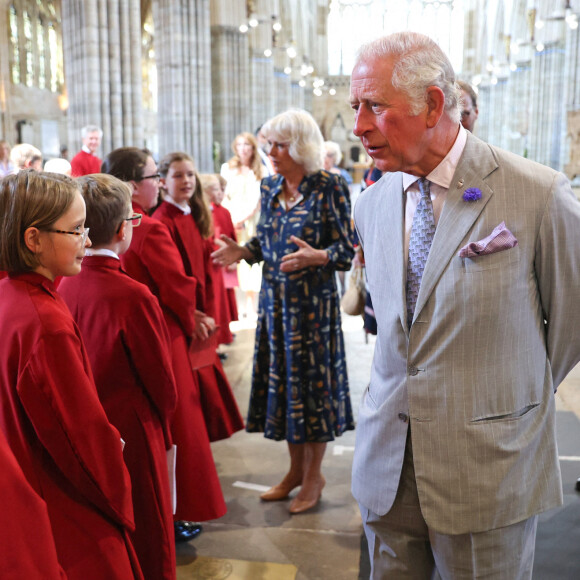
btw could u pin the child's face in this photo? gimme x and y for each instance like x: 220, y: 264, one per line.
x: 215, y: 192
x: 61, y: 254
x: 180, y: 181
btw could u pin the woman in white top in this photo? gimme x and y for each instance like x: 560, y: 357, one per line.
x: 243, y: 173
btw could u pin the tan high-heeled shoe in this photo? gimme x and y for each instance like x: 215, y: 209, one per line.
x: 278, y: 492
x: 299, y: 506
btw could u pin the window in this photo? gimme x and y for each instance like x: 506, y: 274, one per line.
x: 35, y: 45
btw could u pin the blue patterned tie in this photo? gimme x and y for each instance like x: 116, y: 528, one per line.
x: 422, y: 232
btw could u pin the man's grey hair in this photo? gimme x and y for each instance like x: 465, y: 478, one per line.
x: 419, y: 63
x: 91, y: 129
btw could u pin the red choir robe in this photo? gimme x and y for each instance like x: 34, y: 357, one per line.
x: 59, y: 433
x: 220, y: 409
x: 223, y: 224
x: 130, y: 352
x: 27, y: 548
x: 154, y: 260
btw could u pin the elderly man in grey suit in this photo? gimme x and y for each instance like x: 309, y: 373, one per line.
x: 473, y: 263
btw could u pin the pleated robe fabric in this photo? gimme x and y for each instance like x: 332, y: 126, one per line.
x: 26, y: 551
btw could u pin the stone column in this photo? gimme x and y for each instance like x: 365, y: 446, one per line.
x: 102, y: 52
x: 182, y: 48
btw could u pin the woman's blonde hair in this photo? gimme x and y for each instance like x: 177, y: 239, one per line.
x: 199, y: 207
x: 255, y: 161
x: 30, y: 199
x: 299, y: 129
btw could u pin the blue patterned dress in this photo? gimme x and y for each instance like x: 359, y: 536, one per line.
x: 300, y: 386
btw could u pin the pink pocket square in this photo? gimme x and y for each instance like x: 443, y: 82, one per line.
x: 499, y: 240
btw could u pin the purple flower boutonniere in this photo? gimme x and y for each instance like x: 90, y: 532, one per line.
x: 472, y: 194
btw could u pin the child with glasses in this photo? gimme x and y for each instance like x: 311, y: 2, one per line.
x: 51, y: 415
x: 130, y: 351
x: 154, y: 260
x: 185, y: 212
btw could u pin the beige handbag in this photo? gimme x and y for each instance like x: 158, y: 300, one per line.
x: 353, y: 300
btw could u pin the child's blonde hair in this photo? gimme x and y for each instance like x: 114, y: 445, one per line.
x: 30, y: 199
x: 207, y: 180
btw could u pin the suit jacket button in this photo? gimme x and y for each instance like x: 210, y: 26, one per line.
x: 413, y: 371
x: 403, y: 417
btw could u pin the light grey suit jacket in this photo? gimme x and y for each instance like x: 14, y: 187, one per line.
x: 492, y: 337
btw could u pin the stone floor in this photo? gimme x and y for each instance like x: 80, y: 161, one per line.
x: 262, y: 541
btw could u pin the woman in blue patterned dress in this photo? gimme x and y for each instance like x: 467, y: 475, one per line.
x: 299, y: 387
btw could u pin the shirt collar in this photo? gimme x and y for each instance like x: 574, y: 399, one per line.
x: 86, y: 149
x: 101, y: 252
x: 443, y: 173
x: 186, y: 210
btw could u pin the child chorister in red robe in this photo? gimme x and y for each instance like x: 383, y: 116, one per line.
x: 154, y: 260
x: 130, y: 351
x: 214, y: 192
x: 50, y: 411
x: 187, y: 216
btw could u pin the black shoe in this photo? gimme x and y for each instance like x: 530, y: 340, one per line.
x: 222, y: 355
x: 186, y: 531
x: 578, y: 484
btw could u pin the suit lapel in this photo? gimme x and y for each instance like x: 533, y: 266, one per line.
x: 458, y: 215
x: 392, y: 236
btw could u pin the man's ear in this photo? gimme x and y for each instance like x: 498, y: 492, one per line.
x: 435, y: 105
x: 32, y: 239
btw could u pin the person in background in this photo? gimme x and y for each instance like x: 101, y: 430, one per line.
x: 58, y: 165
x: 476, y: 307
x: 469, y: 110
x: 332, y: 159
x: 21, y: 156
x: 6, y: 166
x: 262, y: 145
x: 86, y: 161
x: 300, y: 387
x: 51, y: 415
x: 130, y: 352
x: 154, y: 260
x: 36, y: 163
x: 243, y: 173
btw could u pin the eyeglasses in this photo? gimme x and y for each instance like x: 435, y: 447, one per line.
x: 156, y: 176
x: 135, y: 218
x: 82, y: 235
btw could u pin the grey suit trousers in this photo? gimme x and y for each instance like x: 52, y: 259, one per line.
x: 401, y: 546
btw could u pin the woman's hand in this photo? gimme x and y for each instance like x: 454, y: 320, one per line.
x: 229, y: 252
x: 304, y: 257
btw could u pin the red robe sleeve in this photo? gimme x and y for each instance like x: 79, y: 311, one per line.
x: 61, y: 401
